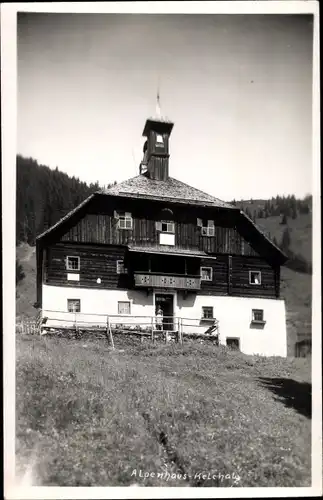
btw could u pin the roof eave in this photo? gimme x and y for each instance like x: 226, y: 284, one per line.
x: 174, y: 200
x: 282, y: 256
x: 66, y: 217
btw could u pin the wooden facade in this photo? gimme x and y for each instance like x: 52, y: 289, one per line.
x: 230, y: 274
x: 102, y: 228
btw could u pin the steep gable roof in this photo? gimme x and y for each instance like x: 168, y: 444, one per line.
x: 175, y: 191
x: 171, y: 190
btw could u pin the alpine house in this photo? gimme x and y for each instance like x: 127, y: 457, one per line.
x: 155, y: 242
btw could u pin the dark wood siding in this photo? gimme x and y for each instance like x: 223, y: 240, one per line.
x: 240, y: 277
x: 219, y: 283
x: 95, y: 262
x: 103, y: 229
x: 231, y: 277
x: 230, y: 274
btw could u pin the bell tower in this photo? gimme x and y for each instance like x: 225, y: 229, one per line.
x: 156, y: 148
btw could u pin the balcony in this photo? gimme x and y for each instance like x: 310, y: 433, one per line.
x: 162, y: 280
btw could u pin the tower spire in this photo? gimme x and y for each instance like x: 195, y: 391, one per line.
x: 158, y: 110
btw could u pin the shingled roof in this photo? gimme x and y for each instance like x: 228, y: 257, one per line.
x: 171, y: 190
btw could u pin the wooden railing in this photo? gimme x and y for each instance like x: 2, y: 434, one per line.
x: 140, y: 325
x: 156, y: 280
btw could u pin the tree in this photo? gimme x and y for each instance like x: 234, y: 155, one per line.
x: 19, y: 272
x: 285, y: 243
x: 44, y: 196
x: 283, y: 219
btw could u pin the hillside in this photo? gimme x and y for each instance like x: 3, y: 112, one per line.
x: 300, y: 228
x: 26, y: 288
x: 92, y: 416
x: 44, y: 196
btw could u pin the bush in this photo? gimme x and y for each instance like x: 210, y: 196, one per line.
x: 20, y: 275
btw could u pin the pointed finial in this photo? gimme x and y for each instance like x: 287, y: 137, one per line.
x: 158, y: 110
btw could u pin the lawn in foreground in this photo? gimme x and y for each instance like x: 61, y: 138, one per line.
x: 192, y: 415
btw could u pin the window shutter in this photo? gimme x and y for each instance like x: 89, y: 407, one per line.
x: 115, y: 214
x: 210, y: 223
x: 158, y: 226
x: 199, y: 223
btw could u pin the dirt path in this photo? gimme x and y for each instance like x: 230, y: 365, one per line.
x: 29, y: 253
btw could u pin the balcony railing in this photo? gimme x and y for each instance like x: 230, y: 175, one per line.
x: 159, y: 280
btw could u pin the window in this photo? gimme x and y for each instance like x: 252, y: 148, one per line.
x: 159, y: 139
x: 206, y: 273
x: 255, y: 277
x: 124, y: 220
x: 258, y: 315
x: 123, y: 307
x: 74, y: 305
x: 207, y: 230
x: 120, y: 267
x: 73, y: 263
x: 165, y: 227
x: 168, y: 227
x: 207, y: 312
x: 233, y: 343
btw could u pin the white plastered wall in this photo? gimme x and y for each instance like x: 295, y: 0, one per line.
x: 233, y: 313
x: 94, y: 302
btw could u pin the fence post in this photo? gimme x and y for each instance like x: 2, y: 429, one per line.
x: 107, y: 332
x: 75, y: 325
x: 181, y: 331
x: 110, y: 333
x: 152, y: 330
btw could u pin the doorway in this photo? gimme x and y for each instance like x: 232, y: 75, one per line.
x: 166, y: 303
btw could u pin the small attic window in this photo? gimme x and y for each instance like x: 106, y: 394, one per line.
x: 159, y: 139
x: 254, y: 277
x: 124, y: 220
x: 72, y: 263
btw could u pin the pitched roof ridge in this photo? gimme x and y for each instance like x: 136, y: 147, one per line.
x: 202, y: 192
x: 170, y: 180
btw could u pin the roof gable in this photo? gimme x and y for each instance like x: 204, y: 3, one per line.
x: 176, y: 191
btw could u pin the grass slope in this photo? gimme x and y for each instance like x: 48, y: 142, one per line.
x: 26, y: 289
x: 89, y: 416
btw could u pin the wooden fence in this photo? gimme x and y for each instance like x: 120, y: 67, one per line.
x: 29, y: 326
x: 173, y: 328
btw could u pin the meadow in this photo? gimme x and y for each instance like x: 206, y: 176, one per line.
x: 159, y: 415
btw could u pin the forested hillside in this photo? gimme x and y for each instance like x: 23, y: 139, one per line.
x: 44, y: 196
x: 287, y: 221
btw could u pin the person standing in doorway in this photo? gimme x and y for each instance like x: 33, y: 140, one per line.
x: 159, y: 318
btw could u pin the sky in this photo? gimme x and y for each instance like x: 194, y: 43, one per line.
x: 237, y: 87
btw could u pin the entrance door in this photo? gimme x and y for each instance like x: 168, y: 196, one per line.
x: 166, y: 303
